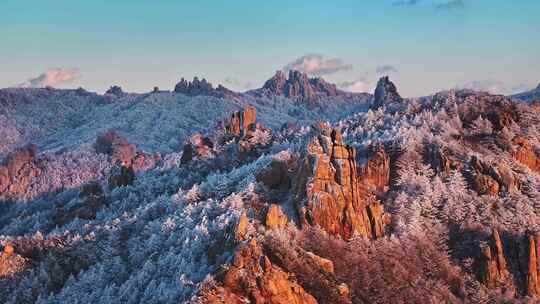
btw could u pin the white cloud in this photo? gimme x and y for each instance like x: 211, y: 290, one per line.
x: 358, y: 86
x: 52, y: 77
x: 315, y: 64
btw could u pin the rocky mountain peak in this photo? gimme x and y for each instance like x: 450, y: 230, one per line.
x: 115, y: 90
x: 386, y: 92
x: 299, y: 85
x: 276, y: 84
x: 198, y: 87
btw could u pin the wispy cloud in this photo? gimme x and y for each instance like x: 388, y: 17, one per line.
x: 495, y: 87
x: 405, y: 2
x: 52, y: 78
x: 386, y: 69
x: 450, y: 4
x: 316, y: 64
x: 357, y: 86
x: 237, y: 84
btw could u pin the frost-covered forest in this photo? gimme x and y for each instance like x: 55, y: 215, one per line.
x: 172, y: 209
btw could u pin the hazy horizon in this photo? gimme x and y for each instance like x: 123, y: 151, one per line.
x: 425, y: 46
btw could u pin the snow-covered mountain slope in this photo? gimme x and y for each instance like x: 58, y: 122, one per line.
x: 158, y: 122
x: 432, y: 200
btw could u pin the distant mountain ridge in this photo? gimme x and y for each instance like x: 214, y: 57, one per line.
x: 532, y: 95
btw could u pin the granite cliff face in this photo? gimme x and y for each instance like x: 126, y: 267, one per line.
x: 330, y: 193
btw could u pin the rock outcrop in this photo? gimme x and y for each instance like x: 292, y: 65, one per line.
x: 11, y: 262
x: 386, y: 92
x: 322, y: 263
x: 115, y: 90
x: 299, y: 85
x: 375, y: 174
x: 253, y: 278
x: 241, y: 122
x: 329, y: 192
x: 198, y: 146
x: 250, y: 136
x: 524, y: 153
x: 18, y: 170
x: 203, y: 87
x: 493, y: 267
x: 275, y: 218
x: 491, y: 180
x: 533, y: 269
x: 123, y: 153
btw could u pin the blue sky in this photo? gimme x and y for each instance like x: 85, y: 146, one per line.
x: 425, y: 45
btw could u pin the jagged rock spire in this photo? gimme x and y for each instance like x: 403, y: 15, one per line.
x: 331, y: 193
x: 202, y: 87
x: 493, y: 269
x: 386, y: 92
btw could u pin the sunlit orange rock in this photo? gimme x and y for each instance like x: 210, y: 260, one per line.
x: 329, y: 192
x: 493, y: 268
x: 252, y: 278
x: 275, y: 218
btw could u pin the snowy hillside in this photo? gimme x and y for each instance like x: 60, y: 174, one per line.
x: 222, y: 200
x: 158, y: 122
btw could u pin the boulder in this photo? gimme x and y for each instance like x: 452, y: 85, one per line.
x: 329, y: 192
